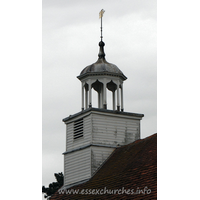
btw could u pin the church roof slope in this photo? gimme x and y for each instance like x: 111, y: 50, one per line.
x: 129, y: 173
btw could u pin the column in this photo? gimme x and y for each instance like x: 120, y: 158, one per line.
x: 122, y: 101
x: 86, y: 98
x: 104, y: 95
x: 99, y: 99
x: 82, y: 96
x: 90, y: 94
x: 114, y: 100
x: 118, y: 105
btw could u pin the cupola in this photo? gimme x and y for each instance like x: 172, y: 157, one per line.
x: 102, y: 76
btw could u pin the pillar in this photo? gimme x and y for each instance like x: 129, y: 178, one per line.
x: 104, y: 95
x: 90, y: 94
x: 118, y: 105
x: 86, y: 98
x: 99, y: 99
x: 113, y: 100
x: 82, y: 96
x: 122, y: 100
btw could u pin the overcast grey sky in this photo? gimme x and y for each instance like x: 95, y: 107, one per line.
x: 66, y: 23
x: 71, y: 33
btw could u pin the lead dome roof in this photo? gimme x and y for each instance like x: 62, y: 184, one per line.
x: 101, y: 66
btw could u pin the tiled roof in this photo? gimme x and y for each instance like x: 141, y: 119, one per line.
x: 130, y: 169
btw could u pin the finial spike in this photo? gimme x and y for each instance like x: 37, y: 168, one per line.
x: 101, y: 50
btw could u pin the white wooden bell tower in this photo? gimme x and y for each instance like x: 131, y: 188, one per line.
x: 94, y: 133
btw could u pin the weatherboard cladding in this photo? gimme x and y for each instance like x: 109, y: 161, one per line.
x: 98, y: 156
x: 80, y: 165
x: 85, y: 140
x: 104, y: 129
x: 108, y: 129
x: 77, y: 166
x: 131, y: 166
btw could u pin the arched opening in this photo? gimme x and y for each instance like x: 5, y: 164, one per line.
x: 94, y: 98
x: 111, y: 86
x: 98, y: 87
x: 101, y: 97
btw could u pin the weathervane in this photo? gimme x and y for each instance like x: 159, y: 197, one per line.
x: 101, y: 16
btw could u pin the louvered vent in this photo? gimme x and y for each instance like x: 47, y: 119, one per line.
x: 78, y: 129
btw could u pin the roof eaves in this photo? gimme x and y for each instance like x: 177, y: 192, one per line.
x: 103, y: 111
x: 80, y: 77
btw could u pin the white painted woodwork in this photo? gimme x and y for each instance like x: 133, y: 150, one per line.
x: 77, y: 166
x: 108, y: 129
x: 82, y: 96
x: 86, y: 99
x: 98, y: 157
x: 118, y: 104
x: 102, y: 133
x: 102, y: 100
x: 90, y: 93
x: 104, y: 128
x: 85, y: 140
x: 81, y: 165
x: 114, y: 106
x: 122, y: 98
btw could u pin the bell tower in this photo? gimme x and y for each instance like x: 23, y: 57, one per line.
x: 94, y: 133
